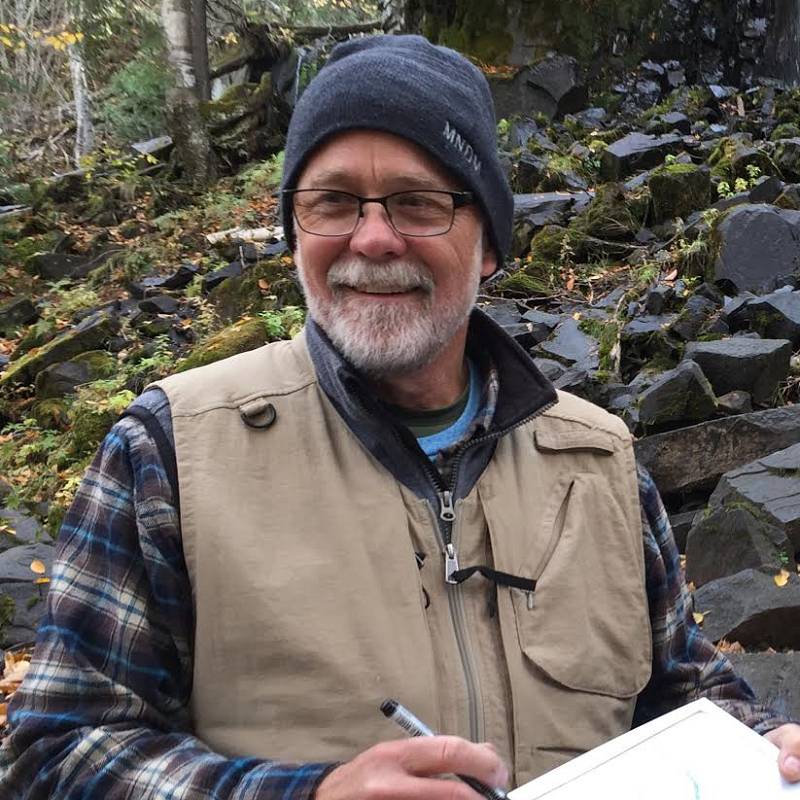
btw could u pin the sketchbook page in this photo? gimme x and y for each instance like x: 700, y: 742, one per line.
x: 697, y: 752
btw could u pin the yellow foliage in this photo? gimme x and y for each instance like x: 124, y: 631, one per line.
x: 782, y: 578
x: 38, y: 567
x: 6, y: 41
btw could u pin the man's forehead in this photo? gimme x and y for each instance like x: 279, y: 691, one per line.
x: 355, y: 155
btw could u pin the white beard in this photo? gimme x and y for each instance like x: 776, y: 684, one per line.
x: 382, y: 339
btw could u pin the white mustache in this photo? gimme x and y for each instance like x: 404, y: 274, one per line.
x: 367, y: 276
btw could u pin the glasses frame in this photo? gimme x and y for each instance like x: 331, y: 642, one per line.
x: 460, y: 199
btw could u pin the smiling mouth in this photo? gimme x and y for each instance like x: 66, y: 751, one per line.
x: 382, y: 291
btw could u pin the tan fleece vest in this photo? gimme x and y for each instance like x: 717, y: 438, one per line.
x: 311, y: 609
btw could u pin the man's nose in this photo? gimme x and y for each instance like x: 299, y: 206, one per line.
x: 374, y: 236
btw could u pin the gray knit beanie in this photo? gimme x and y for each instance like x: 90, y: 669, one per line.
x: 407, y: 86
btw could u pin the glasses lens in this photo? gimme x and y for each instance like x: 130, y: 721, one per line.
x: 324, y: 212
x: 424, y: 213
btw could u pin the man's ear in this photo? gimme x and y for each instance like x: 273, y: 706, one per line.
x: 489, y: 259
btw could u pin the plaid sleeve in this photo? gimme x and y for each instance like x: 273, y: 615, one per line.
x: 686, y: 665
x: 103, y: 711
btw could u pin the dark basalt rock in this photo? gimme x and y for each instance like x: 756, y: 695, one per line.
x: 680, y: 395
x: 774, y: 316
x: 159, y: 304
x: 759, y: 247
x: 730, y: 540
x: 16, y: 312
x: 570, y: 345
x: 774, y: 677
x: 695, y: 458
x: 771, y: 486
x: 690, y: 321
x: 750, y: 609
x: 215, y: 278
x: 637, y: 151
x: 756, y: 366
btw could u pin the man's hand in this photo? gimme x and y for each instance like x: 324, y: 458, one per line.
x: 406, y: 770
x: 787, y: 737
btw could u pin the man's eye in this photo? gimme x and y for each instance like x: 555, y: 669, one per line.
x: 417, y: 201
x: 333, y: 198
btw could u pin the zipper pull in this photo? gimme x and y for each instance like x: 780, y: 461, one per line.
x: 450, y: 563
x: 446, y: 510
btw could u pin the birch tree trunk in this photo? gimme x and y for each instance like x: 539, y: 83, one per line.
x: 84, y: 134
x: 184, y: 120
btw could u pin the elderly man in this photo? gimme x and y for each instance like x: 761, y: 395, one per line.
x: 394, y: 504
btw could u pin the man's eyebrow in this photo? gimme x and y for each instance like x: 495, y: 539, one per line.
x: 334, y: 178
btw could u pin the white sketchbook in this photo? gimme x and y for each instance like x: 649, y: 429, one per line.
x: 698, y: 752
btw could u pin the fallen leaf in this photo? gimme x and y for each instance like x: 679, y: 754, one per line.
x: 38, y: 567
x: 576, y: 315
x: 698, y: 617
x: 782, y: 578
x: 671, y: 276
x: 570, y: 283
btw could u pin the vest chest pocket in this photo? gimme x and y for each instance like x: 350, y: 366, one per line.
x: 587, y: 624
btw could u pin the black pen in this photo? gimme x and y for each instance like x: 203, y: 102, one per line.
x: 411, y: 725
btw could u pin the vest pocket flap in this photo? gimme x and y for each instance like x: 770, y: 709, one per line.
x: 586, y: 626
x: 557, y: 441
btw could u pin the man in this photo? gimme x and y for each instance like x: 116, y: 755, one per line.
x: 394, y: 504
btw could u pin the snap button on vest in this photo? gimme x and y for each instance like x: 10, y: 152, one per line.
x: 258, y: 413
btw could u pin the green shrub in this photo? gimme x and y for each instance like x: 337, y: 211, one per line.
x: 134, y: 108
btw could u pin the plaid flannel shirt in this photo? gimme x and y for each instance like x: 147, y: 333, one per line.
x: 103, y: 713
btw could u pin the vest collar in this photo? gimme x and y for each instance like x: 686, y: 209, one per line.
x: 523, y: 389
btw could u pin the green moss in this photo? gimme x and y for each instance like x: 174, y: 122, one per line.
x: 479, y: 28
x: 613, y: 214
x: 678, y: 189
x: 486, y: 29
x: 264, y: 286
x: 238, y: 338
x: 51, y: 413
x: 549, y: 243
x: 101, y: 364
x: 7, y: 610
x: 786, y: 130
x: 524, y: 284
x: 732, y: 157
x: 607, y: 333
x: 62, y: 348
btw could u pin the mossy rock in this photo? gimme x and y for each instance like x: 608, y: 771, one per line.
x: 100, y: 363
x: 786, y: 130
x: 787, y: 157
x: 613, y: 214
x: 52, y: 413
x: 678, y: 189
x: 239, y: 101
x: 264, y: 286
x: 245, y: 335
x: 549, y: 244
x: 88, y: 426
x: 734, y: 154
x: 90, y: 334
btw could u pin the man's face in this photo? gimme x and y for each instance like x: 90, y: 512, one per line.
x: 390, y: 303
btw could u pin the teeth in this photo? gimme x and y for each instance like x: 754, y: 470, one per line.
x: 380, y: 289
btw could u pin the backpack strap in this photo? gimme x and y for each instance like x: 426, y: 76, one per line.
x: 163, y: 445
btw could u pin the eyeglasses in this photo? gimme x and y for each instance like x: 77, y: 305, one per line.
x: 329, y: 212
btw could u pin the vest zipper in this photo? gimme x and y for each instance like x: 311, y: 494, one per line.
x: 447, y: 518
